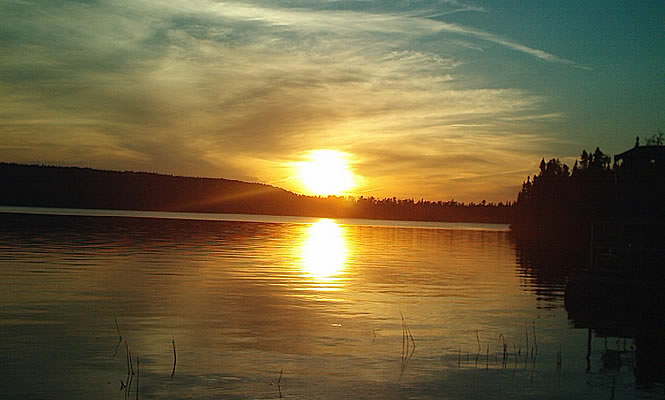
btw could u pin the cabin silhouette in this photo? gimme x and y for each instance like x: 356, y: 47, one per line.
x: 641, y: 160
x: 640, y: 178
x: 630, y: 243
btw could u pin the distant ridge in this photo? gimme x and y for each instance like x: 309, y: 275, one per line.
x: 75, y: 187
x: 87, y: 188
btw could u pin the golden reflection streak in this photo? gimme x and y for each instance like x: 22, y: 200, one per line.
x: 324, y: 251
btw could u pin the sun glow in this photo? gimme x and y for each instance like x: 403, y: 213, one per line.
x: 326, y: 173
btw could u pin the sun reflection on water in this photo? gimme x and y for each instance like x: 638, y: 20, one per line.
x: 324, y: 253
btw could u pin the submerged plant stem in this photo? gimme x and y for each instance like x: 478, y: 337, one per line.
x: 175, y: 357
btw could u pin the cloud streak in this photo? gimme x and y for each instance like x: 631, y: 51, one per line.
x: 385, y: 23
x: 241, y: 90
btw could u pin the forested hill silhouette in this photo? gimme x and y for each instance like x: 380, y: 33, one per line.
x: 73, y: 187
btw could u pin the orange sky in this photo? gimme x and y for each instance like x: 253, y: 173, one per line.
x: 433, y: 99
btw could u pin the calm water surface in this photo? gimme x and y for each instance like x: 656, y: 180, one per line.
x: 262, y: 308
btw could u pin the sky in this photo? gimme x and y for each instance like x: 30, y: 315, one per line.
x: 426, y: 99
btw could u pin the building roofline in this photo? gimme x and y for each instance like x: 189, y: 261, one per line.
x: 641, y: 149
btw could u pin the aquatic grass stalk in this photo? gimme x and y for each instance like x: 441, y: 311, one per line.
x: 279, y: 383
x: 479, y: 348
x: 127, y: 359
x: 403, y: 340
x: 517, y: 359
x: 535, y: 342
x: 175, y: 357
x: 533, y: 369
x: 131, y: 364
x: 127, y: 384
x: 527, y: 340
x: 130, y: 372
x: 505, y: 349
x: 116, y: 324
x: 117, y: 328
x: 408, y: 346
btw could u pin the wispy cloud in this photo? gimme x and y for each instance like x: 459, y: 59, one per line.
x: 407, y: 23
x: 239, y: 89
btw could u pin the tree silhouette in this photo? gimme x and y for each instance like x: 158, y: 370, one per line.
x: 71, y: 187
x: 554, y: 208
x: 657, y: 139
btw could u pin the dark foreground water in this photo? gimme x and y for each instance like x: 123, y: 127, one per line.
x: 295, y: 308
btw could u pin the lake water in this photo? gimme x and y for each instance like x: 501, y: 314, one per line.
x: 258, y: 307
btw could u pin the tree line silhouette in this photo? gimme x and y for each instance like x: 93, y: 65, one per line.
x: 555, y: 206
x: 73, y: 187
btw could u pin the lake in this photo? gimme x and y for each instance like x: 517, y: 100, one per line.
x: 260, y: 307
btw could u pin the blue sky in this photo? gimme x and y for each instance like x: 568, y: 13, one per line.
x: 433, y: 99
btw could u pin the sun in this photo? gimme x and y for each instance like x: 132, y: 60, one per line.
x: 326, y: 172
